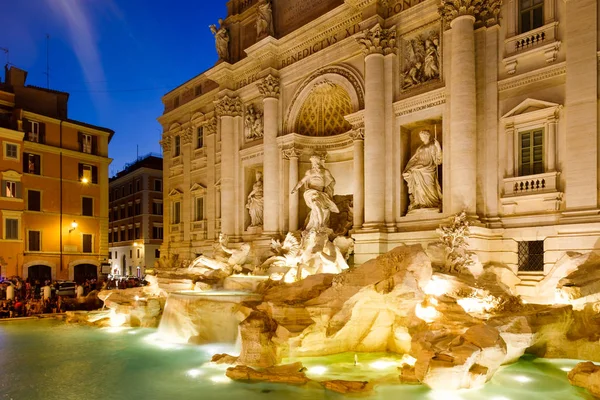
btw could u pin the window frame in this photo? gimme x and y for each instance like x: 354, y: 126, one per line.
x: 530, y: 10
x: 17, y: 156
x: 532, y: 147
x: 159, y: 181
x: 5, y: 191
x: 8, y: 216
x: 176, y: 213
x: 525, y: 256
x: 87, y: 146
x: 34, y: 129
x: 197, y: 217
x: 176, y: 146
x: 200, y: 137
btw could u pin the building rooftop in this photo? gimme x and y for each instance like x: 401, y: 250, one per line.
x: 150, y: 160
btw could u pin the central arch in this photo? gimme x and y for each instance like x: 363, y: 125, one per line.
x: 322, y: 100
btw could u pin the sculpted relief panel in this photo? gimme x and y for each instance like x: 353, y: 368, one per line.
x: 253, y: 123
x: 421, y: 58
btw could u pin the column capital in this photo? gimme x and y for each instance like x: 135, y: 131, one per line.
x: 485, y: 12
x: 210, y: 126
x: 186, y: 136
x: 166, y: 144
x: 377, y: 40
x: 269, y: 86
x: 291, y: 152
x: 229, y: 106
x: 357, y: 133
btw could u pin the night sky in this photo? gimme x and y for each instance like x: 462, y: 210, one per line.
x: 116, y: 58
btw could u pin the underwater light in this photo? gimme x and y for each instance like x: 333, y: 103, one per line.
x: 193, y: 373
x: 220, y: 379
x: 382, y: 364
x: 317, y: 370
x: 522, y: 379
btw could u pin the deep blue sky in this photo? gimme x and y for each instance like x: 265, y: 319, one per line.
x: 116, y: 58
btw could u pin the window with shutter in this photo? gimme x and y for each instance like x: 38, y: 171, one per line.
x: 87, y: 243
x: 34, y: 202
x: 532, y: 152
x: 86, y: 173
x: 34, y: 132
x: 11, y: 229
x: 32, y: 163
x: 86, y: 143
x: 87, y: 206
x: 35, y: 242
x: 10, y: 189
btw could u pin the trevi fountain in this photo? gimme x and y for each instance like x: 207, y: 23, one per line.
x: 429, y: 322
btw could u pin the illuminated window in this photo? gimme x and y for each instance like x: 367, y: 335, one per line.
x: 86, y: 143
x: 34, y: 132
x: 10, y: 189
x: 531, y: 159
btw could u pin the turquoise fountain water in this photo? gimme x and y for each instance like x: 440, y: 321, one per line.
x: 48, y: 360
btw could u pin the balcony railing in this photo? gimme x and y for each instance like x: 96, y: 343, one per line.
x: 199, y: 226
x: 531, y: 184
x: 531, y: 39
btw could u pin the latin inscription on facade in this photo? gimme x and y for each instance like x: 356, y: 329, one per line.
x: 320, y: 45
x: 292, y: 14
x: 398, y: 6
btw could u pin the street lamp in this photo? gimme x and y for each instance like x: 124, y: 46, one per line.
x: 73, y: 226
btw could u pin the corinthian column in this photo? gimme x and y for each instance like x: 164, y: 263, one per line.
x: 462, y: 15
x: 292, y: 155
x: 358, y: 136
x: 186, y: 207
x: 269, y: 88
x: 227, y: 108
x: 376, y: 43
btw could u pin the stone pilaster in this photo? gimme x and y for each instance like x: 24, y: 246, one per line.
x: 269, y: 89
x: 210, y: 135
x: 376, y: 43
x: 509, y: 131
x: 461, y: 16
x: 293, y: 155
x: 166, y: 148
x: 580, y: 166
x: 187, y: 211
x: 358, y: 137
x: 227, y: 108
x: 551, y: 127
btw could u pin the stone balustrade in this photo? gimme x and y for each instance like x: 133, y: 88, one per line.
x: 543, y: 35
x: 199, y: 226
x: 525, y: 185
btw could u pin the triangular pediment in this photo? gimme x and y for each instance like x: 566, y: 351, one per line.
x: 197, y: 187
x: 529, y: 106
x: 175, y: 193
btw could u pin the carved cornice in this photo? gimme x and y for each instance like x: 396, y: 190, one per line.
x: 229, y: 107
x: 186, y: 136
x: 532, y: 77
x: 485, y: 11
x: 210, y: 127
x: 420, y: 102
x: 269, y: 86
x: 378, y: 40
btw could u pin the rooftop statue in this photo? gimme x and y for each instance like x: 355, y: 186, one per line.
x: 264, y: 20
x: 318, y: 194
x: 221, y: 40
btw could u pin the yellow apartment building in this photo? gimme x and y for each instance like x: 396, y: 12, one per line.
x: 54, y: 186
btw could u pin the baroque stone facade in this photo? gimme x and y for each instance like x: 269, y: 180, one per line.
x: 360, y: 81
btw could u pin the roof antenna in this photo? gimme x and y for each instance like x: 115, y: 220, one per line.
x: 47, y: 73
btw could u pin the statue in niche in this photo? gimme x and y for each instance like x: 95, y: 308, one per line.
x: 255, y: 202
x: 264, y: 20
x: 254, y: 124
x: 221, y: 40
x: 421, y: 175
x: 318, y: 194
x: 422, y: 60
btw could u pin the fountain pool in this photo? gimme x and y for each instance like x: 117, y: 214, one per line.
x: 49, y: 360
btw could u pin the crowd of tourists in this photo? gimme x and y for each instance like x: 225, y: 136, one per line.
x: 26, y: 297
